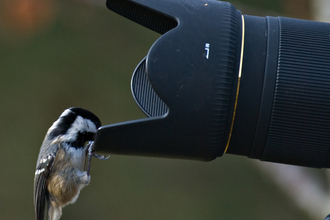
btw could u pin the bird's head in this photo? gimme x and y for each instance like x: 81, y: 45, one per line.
x: 75, y: 126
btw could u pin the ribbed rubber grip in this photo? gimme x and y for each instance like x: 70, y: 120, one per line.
x: 144, y: 95
x: 299, y: 130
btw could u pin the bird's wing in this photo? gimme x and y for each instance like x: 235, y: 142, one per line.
x: 44, y: 166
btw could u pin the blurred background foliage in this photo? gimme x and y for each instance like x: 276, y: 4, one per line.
x: 63, y: 53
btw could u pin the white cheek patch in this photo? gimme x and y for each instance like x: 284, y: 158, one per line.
x: 90, y: 126
x: 79, y: 125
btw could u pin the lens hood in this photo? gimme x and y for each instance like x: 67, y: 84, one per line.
x: 186, y: 84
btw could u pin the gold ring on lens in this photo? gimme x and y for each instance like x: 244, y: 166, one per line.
x: 238, y: 83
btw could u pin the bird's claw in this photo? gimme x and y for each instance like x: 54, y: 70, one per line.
x: 90, y: 150
x: 101, y: 157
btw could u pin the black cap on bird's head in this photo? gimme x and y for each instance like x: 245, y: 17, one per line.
x: 75, y: 126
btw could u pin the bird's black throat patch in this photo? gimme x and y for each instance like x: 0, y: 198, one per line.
x: 81, y: 139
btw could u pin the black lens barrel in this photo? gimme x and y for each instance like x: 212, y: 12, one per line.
x: 292, y: 123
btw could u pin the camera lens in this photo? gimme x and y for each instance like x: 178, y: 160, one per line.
x: 283, y: 106
x: 218, y: 82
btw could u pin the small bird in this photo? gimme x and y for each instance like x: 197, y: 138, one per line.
x: 60, y: 173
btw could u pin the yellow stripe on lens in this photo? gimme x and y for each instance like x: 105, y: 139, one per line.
x: 238, y: 83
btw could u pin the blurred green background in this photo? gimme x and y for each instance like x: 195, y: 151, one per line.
x: 58, y: 54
